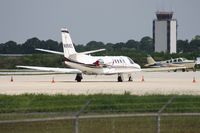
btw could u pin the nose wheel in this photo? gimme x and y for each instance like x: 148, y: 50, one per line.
x: 130, y: 78
x: 79, y: 77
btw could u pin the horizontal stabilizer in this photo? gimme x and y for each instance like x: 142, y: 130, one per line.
x: 49, y: 51
x: 93, y: 51
x: 61, y: 53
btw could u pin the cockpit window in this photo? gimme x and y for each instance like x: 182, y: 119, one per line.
x: 131, y: 61
x: 179, y: 60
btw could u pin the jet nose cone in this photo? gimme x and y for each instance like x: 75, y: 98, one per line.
x: 138, y: 66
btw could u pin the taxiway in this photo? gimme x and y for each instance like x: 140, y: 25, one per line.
x: 165, y: 83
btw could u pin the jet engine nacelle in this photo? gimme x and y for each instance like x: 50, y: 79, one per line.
x: 103, y: 62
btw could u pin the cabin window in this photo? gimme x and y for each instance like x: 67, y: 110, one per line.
x: 131, y: 61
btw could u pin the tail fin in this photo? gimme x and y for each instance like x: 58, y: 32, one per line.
x: 150, y: 60
x: 68, y: 46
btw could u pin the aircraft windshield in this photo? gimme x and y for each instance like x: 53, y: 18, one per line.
x: 180, y: 60
x: 131, y: 61
x: 184, y: 59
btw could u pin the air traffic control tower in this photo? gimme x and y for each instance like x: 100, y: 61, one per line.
x: 165, y: 32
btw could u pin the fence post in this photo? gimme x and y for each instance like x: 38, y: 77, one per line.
x: 160, y: 111
x: 76, y: 123
x: 158, y: 123
x: 113, y: 125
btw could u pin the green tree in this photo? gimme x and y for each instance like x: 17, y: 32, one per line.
x: 182, y: 46
x: 194, y: 45
x: 133, y: 44
x: 30, y: 45
x: 92, y: 45
x: 10, y: 47
x: 146, y: 44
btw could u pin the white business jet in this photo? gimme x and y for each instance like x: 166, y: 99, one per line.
x: 82, y: 63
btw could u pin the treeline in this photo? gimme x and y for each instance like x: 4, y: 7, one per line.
x: 29, y: 46
x: 11, y: 47
x: 144, y: 45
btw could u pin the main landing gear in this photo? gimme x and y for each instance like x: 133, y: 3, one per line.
x: 120, y: 78
x: 79, y: 77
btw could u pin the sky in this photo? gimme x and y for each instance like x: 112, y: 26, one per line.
x: 87, y: 20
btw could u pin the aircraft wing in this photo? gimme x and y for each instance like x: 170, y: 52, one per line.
x: 51, y: 69
x: 162, y: 69
x: 124, y: 71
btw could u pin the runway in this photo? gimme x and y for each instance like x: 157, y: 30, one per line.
x: 164, y: 83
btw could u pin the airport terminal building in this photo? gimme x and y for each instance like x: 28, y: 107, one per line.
x: 165, y: 32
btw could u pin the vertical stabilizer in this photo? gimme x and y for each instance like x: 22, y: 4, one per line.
x: 150, y: 60
x: 68, y: 46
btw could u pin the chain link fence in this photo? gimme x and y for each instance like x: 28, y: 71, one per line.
x: 87, y: 121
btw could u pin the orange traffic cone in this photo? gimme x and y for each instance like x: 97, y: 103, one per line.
x: 142, y: 78
x: 53, y: 81
x: 11, y: 79
x: 193, y: 81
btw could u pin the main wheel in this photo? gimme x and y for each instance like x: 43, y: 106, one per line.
x: 130, y: 79
x: 79, y: 77
x: 183, y: 70
x: 119, y: 79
